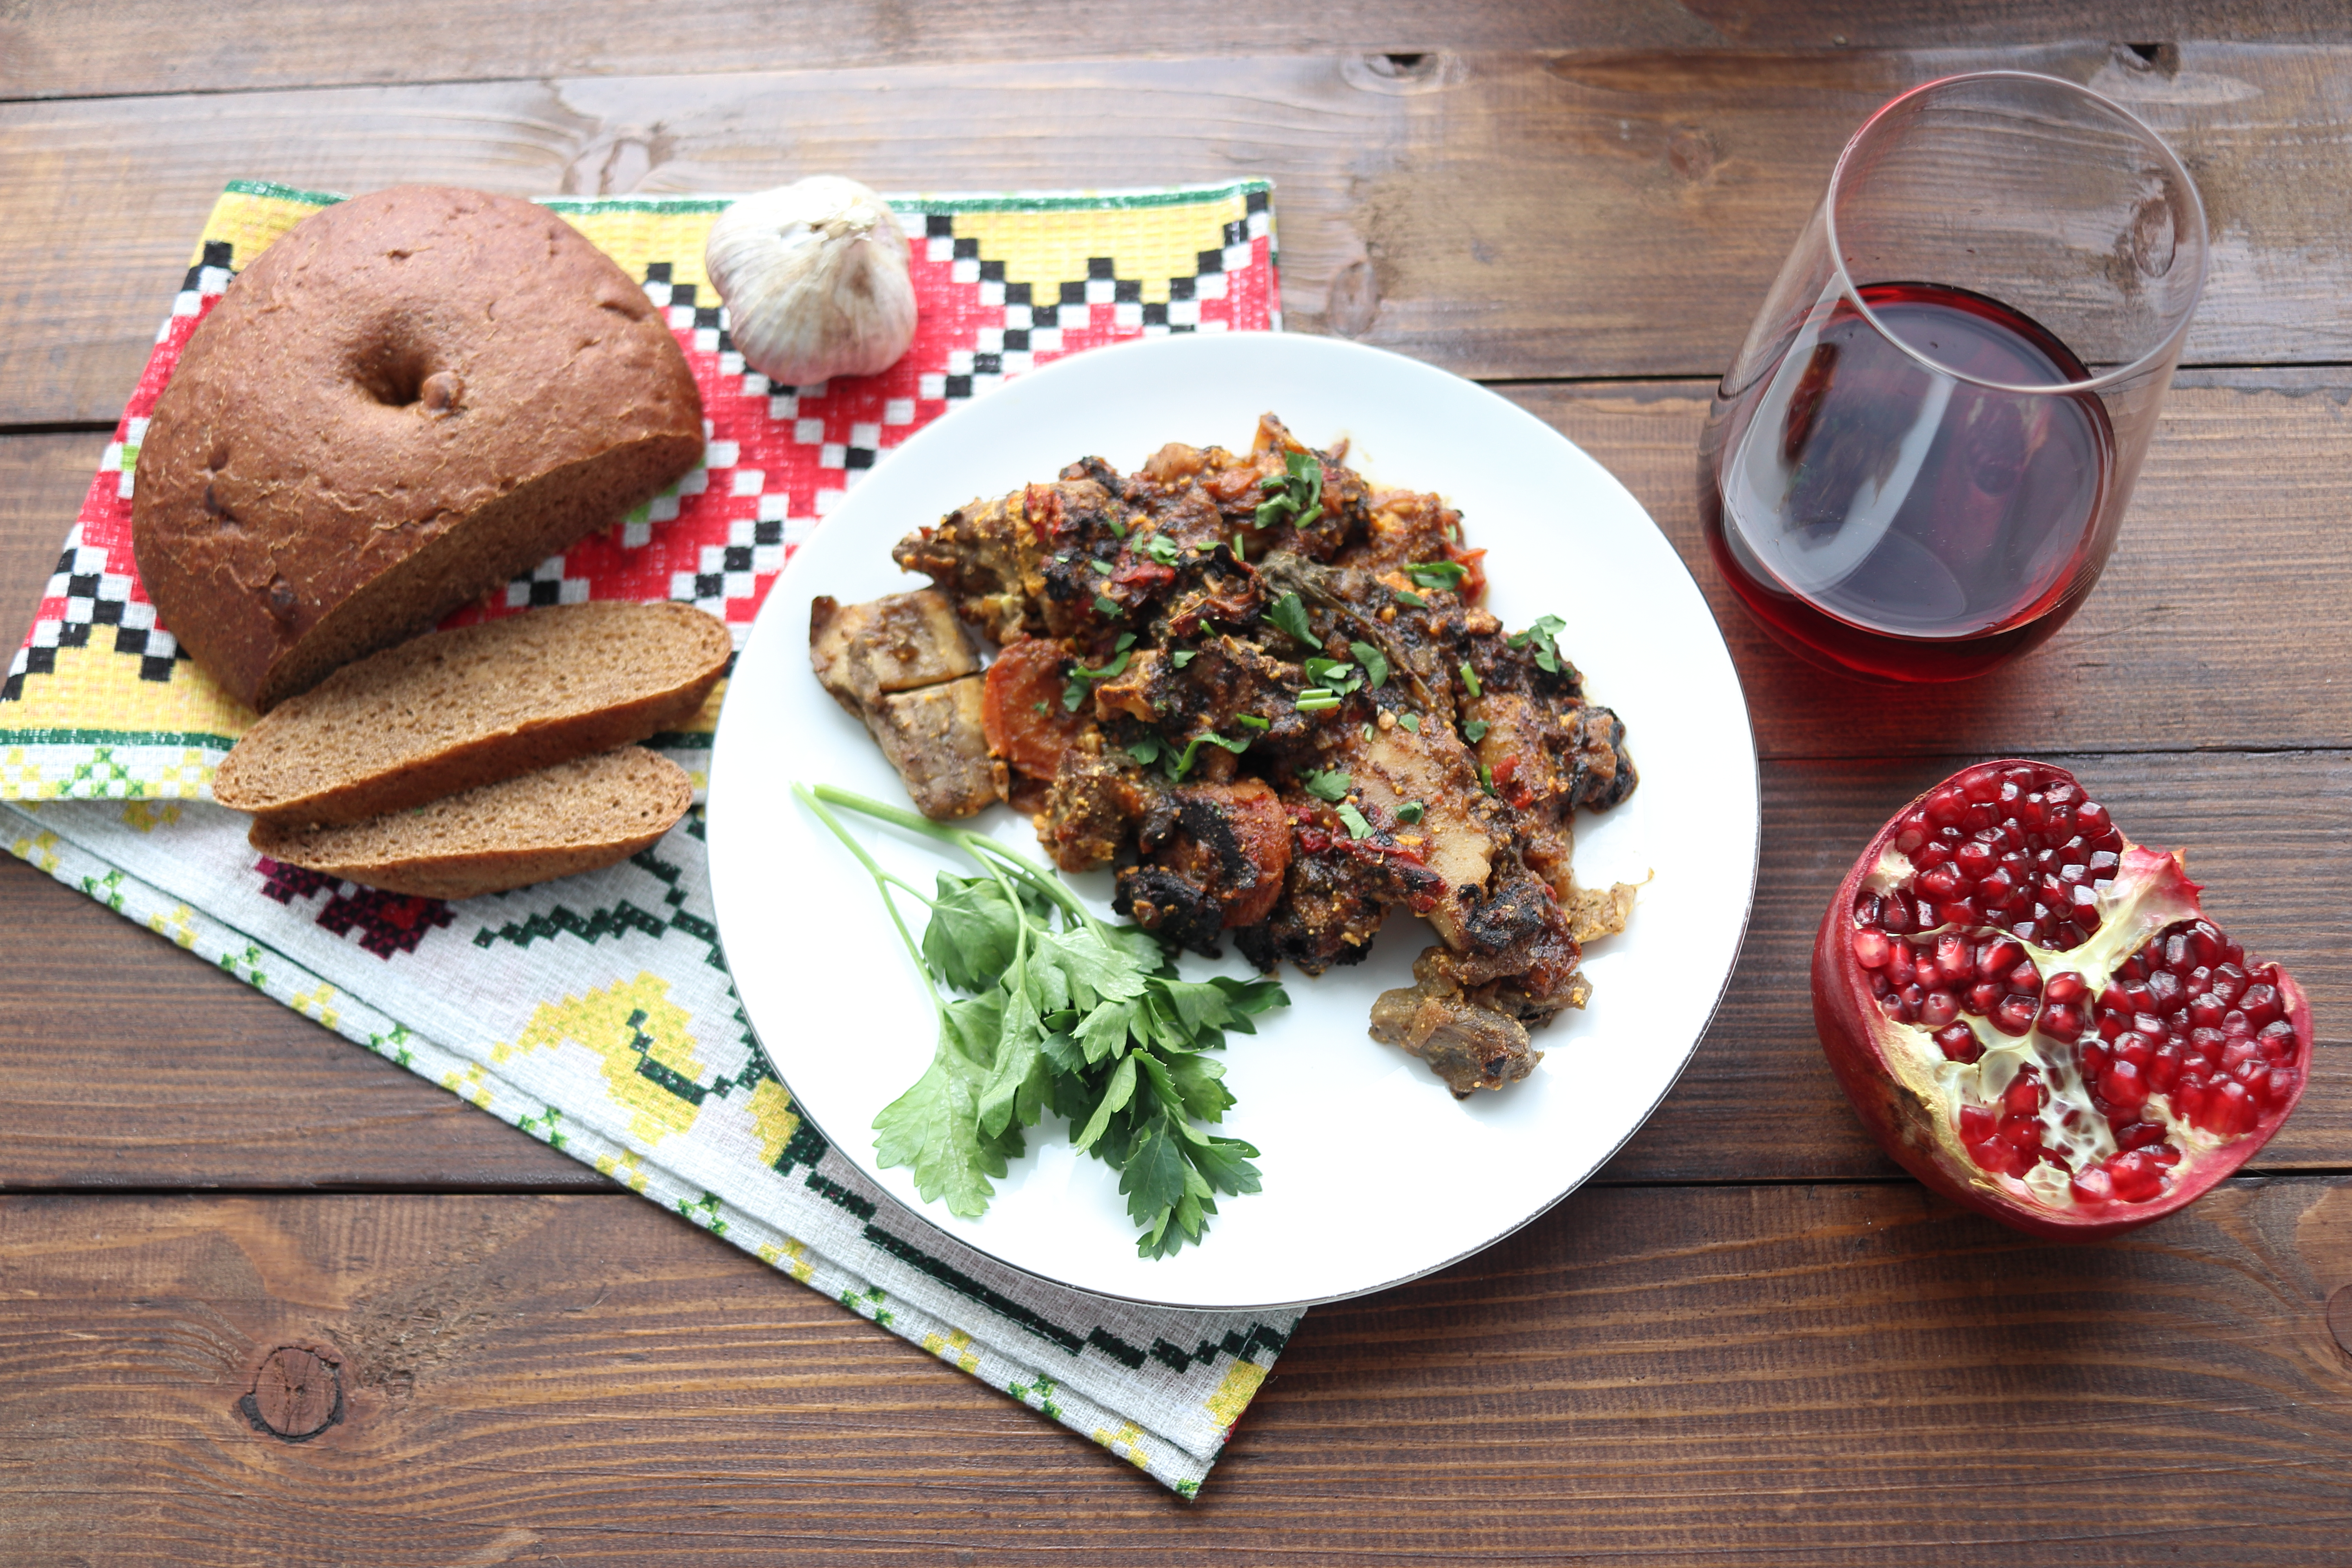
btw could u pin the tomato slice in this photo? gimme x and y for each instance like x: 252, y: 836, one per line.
x: 1021, y: 707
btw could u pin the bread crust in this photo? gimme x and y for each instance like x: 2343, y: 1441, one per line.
x: 409, y: 399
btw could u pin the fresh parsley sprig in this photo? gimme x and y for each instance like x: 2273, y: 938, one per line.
x: 1064, y: 1012
x: 1540, y: 637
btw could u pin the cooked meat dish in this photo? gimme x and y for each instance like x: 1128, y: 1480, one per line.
x: 1265, y: 696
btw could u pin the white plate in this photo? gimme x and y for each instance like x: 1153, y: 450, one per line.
x: 1373, y: 1172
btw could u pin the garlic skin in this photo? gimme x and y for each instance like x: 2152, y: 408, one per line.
x: 815, y: 281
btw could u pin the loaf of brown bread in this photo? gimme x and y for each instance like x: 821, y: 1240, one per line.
x: 580, y: 815
x: 409, y: 399
x: 452, y: 709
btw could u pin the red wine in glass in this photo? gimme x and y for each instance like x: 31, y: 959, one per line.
x: 1887, y: 521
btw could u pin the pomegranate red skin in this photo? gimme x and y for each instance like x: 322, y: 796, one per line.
x: 1907, y: 1125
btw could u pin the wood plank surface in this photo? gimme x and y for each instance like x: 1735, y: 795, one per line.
x: 1515, y: 215
x: 1839, y: 1374
x: 57, y: 52
x: 186, y: 1046
x: 2201, y: 636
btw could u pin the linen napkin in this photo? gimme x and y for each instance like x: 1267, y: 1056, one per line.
x: 595, y: 1013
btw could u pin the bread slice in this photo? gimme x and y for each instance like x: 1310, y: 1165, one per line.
x: 453, y: 709
x: 578, y: 815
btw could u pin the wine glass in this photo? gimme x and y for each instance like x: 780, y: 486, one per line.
x: 1915, y: 470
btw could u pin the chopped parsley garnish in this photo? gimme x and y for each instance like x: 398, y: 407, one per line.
x: 1470, y: 680
x: 1485, y: 778
x: 1411, y: 721
x: 1409, y: 599
x: 1041, y: 707
x: 1183, y: 656
x: 1116, y: 526
x: 1331, y: 786
x: 1333, y: 675
x: 1297, y: 492
x: 1075, y: 693
x: 1107, y: 606
x: 1540, y: 637
x: 1066, y: 1012
x: 1184, y: 762
x: 1162, y: 549
x: 1145, y: 749
x: 1314, y: 699
x: 1102, y: 566
x: 1475, y: 731
x: 1357, y: 827
x: 1252, y: 720
x: 1290, y: 614
x: 1410, y: 811
x: 1375, y: 663
x: 1436, y: 574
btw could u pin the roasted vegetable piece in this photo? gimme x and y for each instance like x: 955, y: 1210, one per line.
x: 904, y: 667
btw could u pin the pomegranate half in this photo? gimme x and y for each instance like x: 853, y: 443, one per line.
x: 2034, y: 1018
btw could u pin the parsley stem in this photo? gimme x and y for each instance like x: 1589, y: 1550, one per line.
x: 882, y: 879
x: 978, y: 846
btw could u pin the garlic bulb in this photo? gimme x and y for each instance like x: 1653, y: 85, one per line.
x: 814, y: 277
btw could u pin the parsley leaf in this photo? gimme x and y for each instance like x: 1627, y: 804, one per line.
x: 1540, y: 637
x: 1436, y: 574
x: 1475, y: 731
x: 1252, y: 722
x: 1184, y: 764
x: 1183, y: 656
x: 1409, y: 599
x: 1410, y: 811
x: 1411, y: 721
x: 1297, y: 492
x: 1331, y: 674
x: 1290, y: 614
x: 1357, y: 827
x: 1470, y: 680
x: 1330, y: 786
x: 1104, y: 567
x: 1107, y: 606
x: 1162, y: 549
x: 1074, y: 692
x: 1375, y: 663
x: 1145, y: 749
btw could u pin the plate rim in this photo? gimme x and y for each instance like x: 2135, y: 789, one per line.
x: 1344, y: 348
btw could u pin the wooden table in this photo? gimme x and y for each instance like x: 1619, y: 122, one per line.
x: 1749, y: 1341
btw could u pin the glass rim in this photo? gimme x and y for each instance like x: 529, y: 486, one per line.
x: 1853, y: 291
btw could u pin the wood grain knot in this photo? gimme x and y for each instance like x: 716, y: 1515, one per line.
x: 297, y: 1394
x: 1353, y: 301
x: 2339, y: 1318
x: 1691, y: 154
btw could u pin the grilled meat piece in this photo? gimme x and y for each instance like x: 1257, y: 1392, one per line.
x: 1470, y: 1046
x: 903, y: 665
x: 1214, y: 858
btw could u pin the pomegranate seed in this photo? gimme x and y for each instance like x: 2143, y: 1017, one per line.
x: 1914, y: 834
x: 2280, y: 1088
x: 2104, y: 863
x: 1939, y: 1009
x: 2164, y: 1069
x: 1952, y: 955
x: 2260, y: 1004
x: 1976, y: 1124
x: 1974, y: 858
x: 1942, y: 881
x: 1959, y: 1043
x: 2095, y: 1058
x: 2023, y: 1096
x: 2189, y: 1099
x: 2229, y: 981
x: 2229, y: 1110
x: 1931, y: 856
x: 2277, y: 1040
x: 2025, y: 929
x: 2205, y: 1012
x: 1998, y: 958
x: 2136, y: 1177
x: 2138, y: 1135
x: 1898, y: 963
x: 2014, y: 1015
x: 2025, y: 979
x: 2131, y: 969
x: 2135, y: 1047
x: 2125, y: 1086
x: 2022, y: 1132
x: 2236, y: 1026
x: 1980, y: 785
x: 2091, y: 819
x: 2255, y: 1075
x: 2165, y: 987
x: 1958, y: 913
x: 2060, y: 1022
x: 1895, y: 916
x: 1870, y: 949
x: 2068, y: 935
x: 2165, y: 1155
x: 2093, y: 1187
x: 1946, y: 807
x: 2065, y: 986
x: 1983, y: 997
